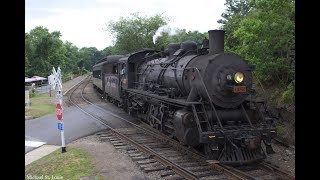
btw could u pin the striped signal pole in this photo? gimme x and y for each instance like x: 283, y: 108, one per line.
x: 58, y: 83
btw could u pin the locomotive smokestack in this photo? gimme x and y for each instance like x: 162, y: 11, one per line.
x: 216, y: 41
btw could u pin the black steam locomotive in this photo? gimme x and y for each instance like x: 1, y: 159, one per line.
x: 202, y: 97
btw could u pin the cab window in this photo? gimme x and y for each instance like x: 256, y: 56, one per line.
x: 123, y: 69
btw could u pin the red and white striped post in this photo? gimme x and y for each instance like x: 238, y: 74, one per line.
x: 59, y: 110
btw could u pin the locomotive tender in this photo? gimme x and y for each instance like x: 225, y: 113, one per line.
x: 202, y: 97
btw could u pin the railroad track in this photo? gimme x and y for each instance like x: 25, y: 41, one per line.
x: 259, y: 171
x: 153, y: 151
x: 76, y: 92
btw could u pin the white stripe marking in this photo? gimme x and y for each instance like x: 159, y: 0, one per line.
x: 34, y: 143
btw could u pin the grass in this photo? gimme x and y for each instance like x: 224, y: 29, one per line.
x: 281, y: 130
x: 41, y: 104
x: 70, y: 165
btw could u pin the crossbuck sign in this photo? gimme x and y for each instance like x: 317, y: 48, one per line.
x: 55, y: 79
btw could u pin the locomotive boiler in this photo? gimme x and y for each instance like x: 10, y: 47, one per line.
x: 218, y: 77
x: 202, y: 97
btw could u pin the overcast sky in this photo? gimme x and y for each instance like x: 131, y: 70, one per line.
x: 82, y: 22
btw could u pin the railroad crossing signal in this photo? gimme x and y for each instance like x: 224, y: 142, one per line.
x: 54, y: 81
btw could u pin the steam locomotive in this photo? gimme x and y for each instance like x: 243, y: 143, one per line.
x: 202, y: 97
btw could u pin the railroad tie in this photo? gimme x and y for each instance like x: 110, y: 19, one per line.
x: 134, y: 150
x: 135, y: 154
x: 139, y: 158
x: 151, y: 169
x: 167, y: 173
x: 148, y: 161
x: 120, y: 144
x: 150, y: 165
x: 174, y: 177
x: 125, y: 147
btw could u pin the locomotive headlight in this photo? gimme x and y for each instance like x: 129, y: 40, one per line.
x: 238, y: 77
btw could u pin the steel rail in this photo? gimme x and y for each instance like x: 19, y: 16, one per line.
x: 164, y: 138
x: 278, y: 171
x: 230, y: 171
x: 263, y: 166
x: 179, y: 170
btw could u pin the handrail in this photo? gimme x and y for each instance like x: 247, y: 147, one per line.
x: 207, y: 93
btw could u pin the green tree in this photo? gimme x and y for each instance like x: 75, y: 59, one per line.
x: 72, y: 58
x: 267, y: 38
x: 180, y: 35
x: 44, y: 50
x: 235, y: 8
x: 135, y: 33
x: 163, y: 40
x: 262, y: 31
x: 88, y: 57
x: 107, y: 51
x: 28, y: 54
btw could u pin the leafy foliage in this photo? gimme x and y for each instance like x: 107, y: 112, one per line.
x: 44, y: 50
x: 179, y: 35
x: 88, y: 56
x: 288, y: 94
x: 267, y: 36
x: 235, y: 8
x: 135, y: 33
x: 107, y: 51
x: 263, y: 32
x: 72, y: 57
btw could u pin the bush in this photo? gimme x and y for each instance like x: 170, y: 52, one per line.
x: 32, y: 93
x: 288, y: 96
x: 66, y: 77
x: 281, y: 130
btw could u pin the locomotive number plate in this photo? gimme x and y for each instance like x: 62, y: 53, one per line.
x: 239, y: 89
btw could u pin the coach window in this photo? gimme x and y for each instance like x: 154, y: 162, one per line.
x: 115, y: 69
